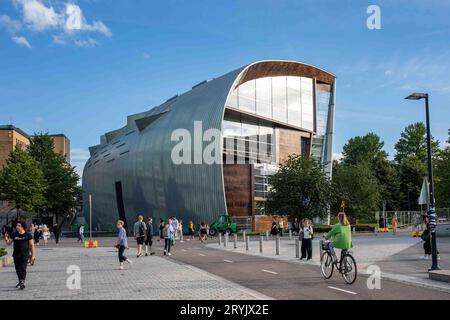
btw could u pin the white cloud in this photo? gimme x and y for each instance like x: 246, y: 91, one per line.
x: 79, y: 155
x: 11, y: 25
x: 66, y: 19
x: 37, y: 16
x: 338, y: 156
x: 88, y: 43
x: 22, y: 41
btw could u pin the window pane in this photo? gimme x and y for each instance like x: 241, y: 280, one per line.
x: 279, y: 99
x: 233, y: 99
x: 307, y: 104
x: 293, y: 93
x: 247, y: 96
x: 264, y: 97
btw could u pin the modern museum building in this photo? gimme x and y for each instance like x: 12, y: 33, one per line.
x: 263, y: 112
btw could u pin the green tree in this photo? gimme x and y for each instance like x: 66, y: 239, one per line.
x: 367, y: 148
x: 358, y: 187
x: 413, y: 143
x: 442, y: 177
x: 22, y: 182
x: 411, y: 172
x: 300, y: 189
x: 62, y: 195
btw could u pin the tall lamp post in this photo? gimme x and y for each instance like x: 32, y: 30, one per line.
x: 431, y: 211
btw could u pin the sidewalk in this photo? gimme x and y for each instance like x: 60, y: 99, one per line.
x: 398, y: 257
x: 150, y: 278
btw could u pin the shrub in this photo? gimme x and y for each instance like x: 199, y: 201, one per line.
x: 3, y: 252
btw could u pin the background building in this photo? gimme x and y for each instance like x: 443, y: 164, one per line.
x: 11, y: 136
x: 266, y: 111
x: 61, y: 145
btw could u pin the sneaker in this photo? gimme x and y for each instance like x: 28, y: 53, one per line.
x: 169, y: 254
x: 140, y: 254
x: 165, y: 252
x: 129, y: 261
x: 152, y: 253
x: 22, y: 285
x: 439, y: 257
x: 146, y: 254
x: 121, y: 268
x: 425, y: 257
x: 18, y: 285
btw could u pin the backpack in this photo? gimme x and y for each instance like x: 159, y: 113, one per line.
x: 142, y: 230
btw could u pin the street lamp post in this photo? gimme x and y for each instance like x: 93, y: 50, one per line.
x: 431, y: 211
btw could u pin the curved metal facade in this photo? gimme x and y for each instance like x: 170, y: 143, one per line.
x: 139, y: 156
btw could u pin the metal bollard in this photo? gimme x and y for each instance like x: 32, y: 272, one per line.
x: 290, y: 234
x: 235, y: 241
x: 267, y: 235
x: 260, y: 244
x: 247, y: 240
x: 244, y: 235
x: 220, y: 239
x: 225, y: 243
x: 297, y: 248
x: 278, y: 246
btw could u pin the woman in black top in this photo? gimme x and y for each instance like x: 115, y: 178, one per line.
x: 161, y: 229
x: 23, y: 245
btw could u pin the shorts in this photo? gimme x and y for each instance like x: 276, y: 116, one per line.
x: 149, y: 242
x: 140, y: 240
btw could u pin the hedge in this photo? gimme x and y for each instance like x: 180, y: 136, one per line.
x: 3, y: 252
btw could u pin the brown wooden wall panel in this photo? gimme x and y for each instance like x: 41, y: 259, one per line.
x: 239, y: 182
x: 289, y: 143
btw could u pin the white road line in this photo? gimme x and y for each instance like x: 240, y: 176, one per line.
x: 229, y: 261
x: 201, y: 254
x: 268, y: 271
x: 183, y: 250
x: 346, y: 291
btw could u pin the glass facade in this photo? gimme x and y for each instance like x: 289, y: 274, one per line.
x: 319, y: 142
x: 285, y: 99
x: 249, y: 140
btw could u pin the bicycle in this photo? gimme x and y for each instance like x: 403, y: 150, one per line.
x: 346, y: 265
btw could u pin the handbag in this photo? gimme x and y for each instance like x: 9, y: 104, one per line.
x: 425, y: 235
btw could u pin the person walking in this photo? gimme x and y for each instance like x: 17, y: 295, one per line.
x: 426, y: 237
x: 168, y: 233
x: 175, y: 229
x: 36, y: 234
x: 56, y: 232
x: 23, y: 246
x: 306, y: 235
x: 161, y: 229
x: 274, y: 228
x: 45, y: 235
x: 81, y: 234
x: 394, y: 223
x: 281, y: 226
x: 139, y: 231
x: 180, y: 230
x: 122, y: 244
x: 191, y: 230
x: 149, y: 238
x: 203, y: 232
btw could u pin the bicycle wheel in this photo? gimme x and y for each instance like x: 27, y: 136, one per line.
x: 349, y: 270
x: 326, y: 265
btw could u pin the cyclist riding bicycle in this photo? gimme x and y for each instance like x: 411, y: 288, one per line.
x: 340, y: 235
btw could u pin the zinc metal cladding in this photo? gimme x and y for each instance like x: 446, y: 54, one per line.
x: 151, y: 184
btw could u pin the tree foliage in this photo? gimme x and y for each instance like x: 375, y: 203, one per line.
x: 300, y: 189
x: 22, y: 182
x: 442, y: 177
x: 62, y: 194
x: 367, y: 149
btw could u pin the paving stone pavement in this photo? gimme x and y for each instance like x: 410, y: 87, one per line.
x: 148, y: 278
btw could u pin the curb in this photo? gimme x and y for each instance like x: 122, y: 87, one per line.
x: 417, y: 282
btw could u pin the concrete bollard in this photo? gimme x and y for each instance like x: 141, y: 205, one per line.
x: 247, y: 240
x: 225, y: 243
x: 235, y: 241
x: 244, y: 238
x: 261, y: 244
x: 267, y: 235
x: 220, y: 239
x: 290, y: 234
x: 278, y: 246
x: 297, y: 248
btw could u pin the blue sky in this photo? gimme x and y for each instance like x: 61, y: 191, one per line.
x: 79, y: 67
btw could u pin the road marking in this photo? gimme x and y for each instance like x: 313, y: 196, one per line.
x: 338, y: 289
x: 201, y: 254
x: 183, y: 250
x: 229, y: 261
x: 268, y: 271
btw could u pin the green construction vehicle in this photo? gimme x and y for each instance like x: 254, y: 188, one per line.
x: 222, y: 225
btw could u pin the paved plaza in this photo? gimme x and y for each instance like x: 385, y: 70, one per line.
x: 150, y: 278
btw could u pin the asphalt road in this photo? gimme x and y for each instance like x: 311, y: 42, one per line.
x: 284, y: 280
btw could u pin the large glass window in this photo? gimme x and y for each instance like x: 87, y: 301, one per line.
x: 247, y: 96
x: 279, y: 99
x: 294, y: 101
x: 233, y: 99
x: 307, y: 104
x: 264, y: 97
